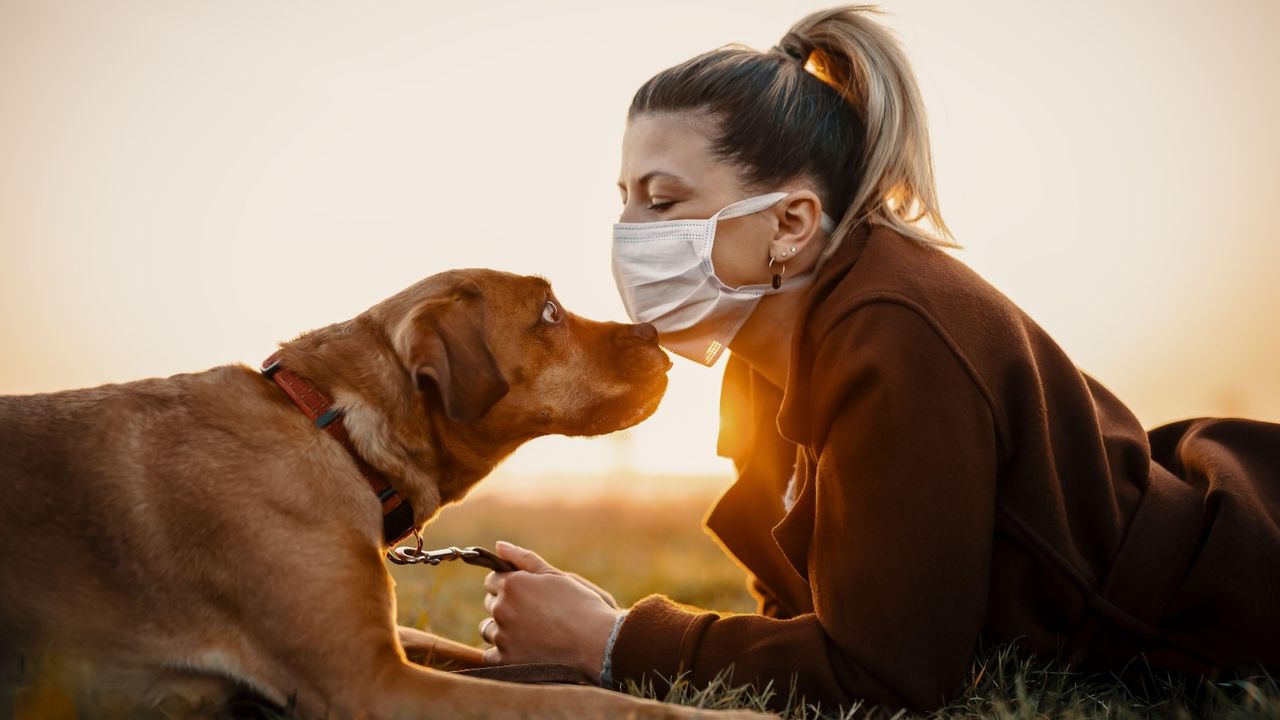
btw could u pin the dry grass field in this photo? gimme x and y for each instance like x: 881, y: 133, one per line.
x: 629, y: 547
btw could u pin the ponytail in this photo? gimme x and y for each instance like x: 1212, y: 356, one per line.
x: 835, y: 101
x: 862, y: 61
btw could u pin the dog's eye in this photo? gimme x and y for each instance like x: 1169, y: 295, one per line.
x: 551, y: 313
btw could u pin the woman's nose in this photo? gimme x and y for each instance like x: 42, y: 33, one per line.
x: 633, y: 212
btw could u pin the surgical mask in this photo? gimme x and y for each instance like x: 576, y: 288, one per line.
x: 665, y: 277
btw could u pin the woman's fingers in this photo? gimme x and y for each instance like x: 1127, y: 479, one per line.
x: 548, y: 617
x: 540, y: 614
x: 492, y: 656
x: 494, y: 581
x: 524, y: 558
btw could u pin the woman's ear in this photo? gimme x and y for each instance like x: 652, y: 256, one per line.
x: 443, y: 341
x: 799, y: 221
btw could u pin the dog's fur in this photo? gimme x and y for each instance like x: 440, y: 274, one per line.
x: 191, y: 533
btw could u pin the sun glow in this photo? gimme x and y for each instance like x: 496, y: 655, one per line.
x: 167, y: 205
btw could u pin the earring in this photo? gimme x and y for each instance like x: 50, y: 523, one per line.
x: 777, y: 277
x: 792, y: 251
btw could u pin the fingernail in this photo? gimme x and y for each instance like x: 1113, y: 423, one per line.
x: 503, y: 543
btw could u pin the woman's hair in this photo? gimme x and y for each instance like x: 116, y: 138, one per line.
x: 835, y: 101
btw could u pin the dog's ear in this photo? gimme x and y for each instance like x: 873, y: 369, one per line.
x: 443, y: 342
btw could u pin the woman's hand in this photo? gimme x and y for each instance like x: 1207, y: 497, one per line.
x: 604, y: 594
x: 540, y: 614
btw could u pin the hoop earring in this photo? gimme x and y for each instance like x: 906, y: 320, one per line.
x: 777, y: 277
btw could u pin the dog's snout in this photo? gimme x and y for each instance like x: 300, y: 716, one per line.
x: 645, y: 332
x: 638, y: 352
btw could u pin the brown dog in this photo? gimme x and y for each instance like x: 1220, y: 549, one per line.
x: 196, y: 532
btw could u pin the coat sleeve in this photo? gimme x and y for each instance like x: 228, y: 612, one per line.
x: 899, y: 534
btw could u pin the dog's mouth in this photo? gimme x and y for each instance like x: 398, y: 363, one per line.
x: 627, y: 411
x: 653, y: 398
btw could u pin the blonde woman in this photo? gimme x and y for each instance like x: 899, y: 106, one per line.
x: 920, y: 465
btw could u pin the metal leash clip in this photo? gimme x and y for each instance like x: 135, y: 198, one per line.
x: 482, y: 557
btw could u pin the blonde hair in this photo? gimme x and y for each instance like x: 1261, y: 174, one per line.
x: 835, y: 100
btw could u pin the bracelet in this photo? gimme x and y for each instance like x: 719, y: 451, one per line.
x: 606, y: 668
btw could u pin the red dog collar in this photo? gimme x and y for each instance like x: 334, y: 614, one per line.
x: 397, y: 514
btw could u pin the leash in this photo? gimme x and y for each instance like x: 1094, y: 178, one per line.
x: 482, y: 557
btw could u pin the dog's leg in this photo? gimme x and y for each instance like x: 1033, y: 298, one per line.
x: 381, y: 684
x: 429, y: 649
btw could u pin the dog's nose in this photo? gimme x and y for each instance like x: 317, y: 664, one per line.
x: 645, y: 332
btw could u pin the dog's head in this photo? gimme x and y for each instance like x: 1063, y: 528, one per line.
x: 498, y: 352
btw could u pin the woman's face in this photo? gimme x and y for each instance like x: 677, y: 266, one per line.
x: 669, y: 173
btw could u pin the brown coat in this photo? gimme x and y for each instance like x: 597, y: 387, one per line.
x: 957, y: 476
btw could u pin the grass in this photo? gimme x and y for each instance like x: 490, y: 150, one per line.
x: 1006, y: 685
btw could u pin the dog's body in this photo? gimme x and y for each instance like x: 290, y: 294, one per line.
x: 180, y: 533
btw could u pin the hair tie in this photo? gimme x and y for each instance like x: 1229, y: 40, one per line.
x: 811, y: 59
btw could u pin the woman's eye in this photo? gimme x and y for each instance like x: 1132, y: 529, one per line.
x: 551, y: 313
x: 660, y: 206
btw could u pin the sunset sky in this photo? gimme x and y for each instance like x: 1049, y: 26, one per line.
x: 185, y: 184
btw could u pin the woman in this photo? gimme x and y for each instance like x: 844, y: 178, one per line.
x: 919, y: 464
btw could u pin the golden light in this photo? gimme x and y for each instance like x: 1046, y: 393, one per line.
x: 159, y: 217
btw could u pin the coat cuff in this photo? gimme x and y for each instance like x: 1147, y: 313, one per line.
x: 657, y: 641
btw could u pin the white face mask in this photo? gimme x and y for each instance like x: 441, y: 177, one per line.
x: 665, y: 277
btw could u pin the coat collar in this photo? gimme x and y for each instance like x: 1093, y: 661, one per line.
x: 737, y: 398
x: 819, y: 315
x: 751, y: 407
